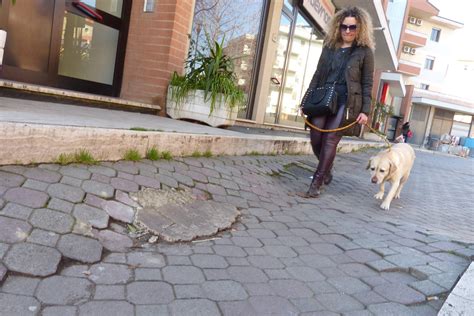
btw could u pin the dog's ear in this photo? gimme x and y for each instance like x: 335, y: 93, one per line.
x: 368, y: 164
x: 393, y: 168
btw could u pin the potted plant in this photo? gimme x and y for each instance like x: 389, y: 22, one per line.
x: 208, y: 91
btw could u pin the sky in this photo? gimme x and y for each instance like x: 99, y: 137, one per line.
x: 460, y: 11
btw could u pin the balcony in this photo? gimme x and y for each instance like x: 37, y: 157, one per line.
x: 423, y: 9
x: 409, y: 68
x: 414, y: 38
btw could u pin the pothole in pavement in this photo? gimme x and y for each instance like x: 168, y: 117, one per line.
x: 177, y: 216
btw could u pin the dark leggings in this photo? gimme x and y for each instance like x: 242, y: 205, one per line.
x: 325, y: 144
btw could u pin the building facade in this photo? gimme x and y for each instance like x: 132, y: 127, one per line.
x: 427, y: 66
x: 129, y: 49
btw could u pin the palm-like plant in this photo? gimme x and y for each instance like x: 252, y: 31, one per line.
x: 213, y: 73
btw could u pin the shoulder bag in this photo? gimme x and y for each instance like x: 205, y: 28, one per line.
x: 323, y: 100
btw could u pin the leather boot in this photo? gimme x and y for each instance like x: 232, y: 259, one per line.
x: 328, y: 177
x: 314, y: 189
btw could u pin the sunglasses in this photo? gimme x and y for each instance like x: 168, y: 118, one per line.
x: 345, y: 27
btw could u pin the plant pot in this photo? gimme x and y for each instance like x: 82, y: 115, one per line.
x: 3, y: 38
x: 194, y: 107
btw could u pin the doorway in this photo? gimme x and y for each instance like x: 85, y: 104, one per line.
x: 299, y: 46
x: 77, y: 45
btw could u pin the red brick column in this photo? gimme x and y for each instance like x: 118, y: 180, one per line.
x: 157, y: 46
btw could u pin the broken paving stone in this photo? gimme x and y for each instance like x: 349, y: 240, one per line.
x: 113, y: 241
x: 176, y: 216
x: 95, y: 217
x: 119, y: 211
x: 32, y: 259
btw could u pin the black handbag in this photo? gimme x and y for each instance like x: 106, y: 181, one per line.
x: 322, y: 101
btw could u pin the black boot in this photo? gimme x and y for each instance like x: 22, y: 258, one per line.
x: 328, y: 177
x: 315, y: 187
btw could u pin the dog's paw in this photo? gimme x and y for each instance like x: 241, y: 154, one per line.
x: 385, y: 206
x: 379, y: 195
x: 397, y: 196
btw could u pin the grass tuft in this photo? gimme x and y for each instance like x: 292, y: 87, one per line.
x: 166, y: 155
x: 196, y: 154
x: 132, y: 155
x: 140, y: 129
x: 153, y: 154
x: 81, y: 156
x: 207, y: 154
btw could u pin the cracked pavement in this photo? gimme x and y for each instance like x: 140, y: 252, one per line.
x: 65, y: 249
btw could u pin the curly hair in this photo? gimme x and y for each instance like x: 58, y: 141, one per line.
x: 365, y: 31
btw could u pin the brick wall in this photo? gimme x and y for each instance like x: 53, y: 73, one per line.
x: 157, y: 46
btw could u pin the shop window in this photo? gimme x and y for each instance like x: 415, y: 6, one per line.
x: 429, y: 63
x: 238, y: 24
x: 113, y: 7
x: 435, y: 34
x: 463, y: 118
x: 289, y: 4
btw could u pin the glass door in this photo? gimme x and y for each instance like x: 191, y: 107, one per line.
x: 306, y: 47
x: 90, y: 45
x: 296, y: 58
x: 77, y: 44
x: 278, y: 70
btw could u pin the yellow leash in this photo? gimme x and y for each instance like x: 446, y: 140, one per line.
x: 345, y: 127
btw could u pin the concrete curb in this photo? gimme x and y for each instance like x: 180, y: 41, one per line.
x: 39, y: 143
x: 461, y: 299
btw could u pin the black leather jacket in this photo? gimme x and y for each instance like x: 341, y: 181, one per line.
x: 359, y: 76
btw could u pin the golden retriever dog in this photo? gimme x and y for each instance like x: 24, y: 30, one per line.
x: 392, y: 165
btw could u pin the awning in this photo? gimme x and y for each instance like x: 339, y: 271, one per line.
x: 395, y: 82
x: 385, y: 53
x: 443, y: 105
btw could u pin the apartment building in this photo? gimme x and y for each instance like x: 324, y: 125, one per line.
x: 427, y: 62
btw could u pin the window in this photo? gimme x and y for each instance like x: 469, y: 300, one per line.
x: 435, y: 33
x: 424, y: 86
x: 429, y: 63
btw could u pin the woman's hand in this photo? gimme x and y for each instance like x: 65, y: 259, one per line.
x: 362, y: 119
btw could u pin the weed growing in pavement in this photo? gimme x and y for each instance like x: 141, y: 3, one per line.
x: 81, y: 156
x: 196, y: 154
x: 166, y: 155
x: 132, y: 155
x: 253, y: 153
x: 207, y: 154
x: 143, y: 129
x: 85, y: 157
x: 140, y: 129
x: 153, y: 154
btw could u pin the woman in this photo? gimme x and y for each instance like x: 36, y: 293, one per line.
x: 405, y: 131
x: 349, y: 44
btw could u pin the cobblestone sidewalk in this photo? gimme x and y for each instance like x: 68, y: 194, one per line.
x: 67, y: 246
